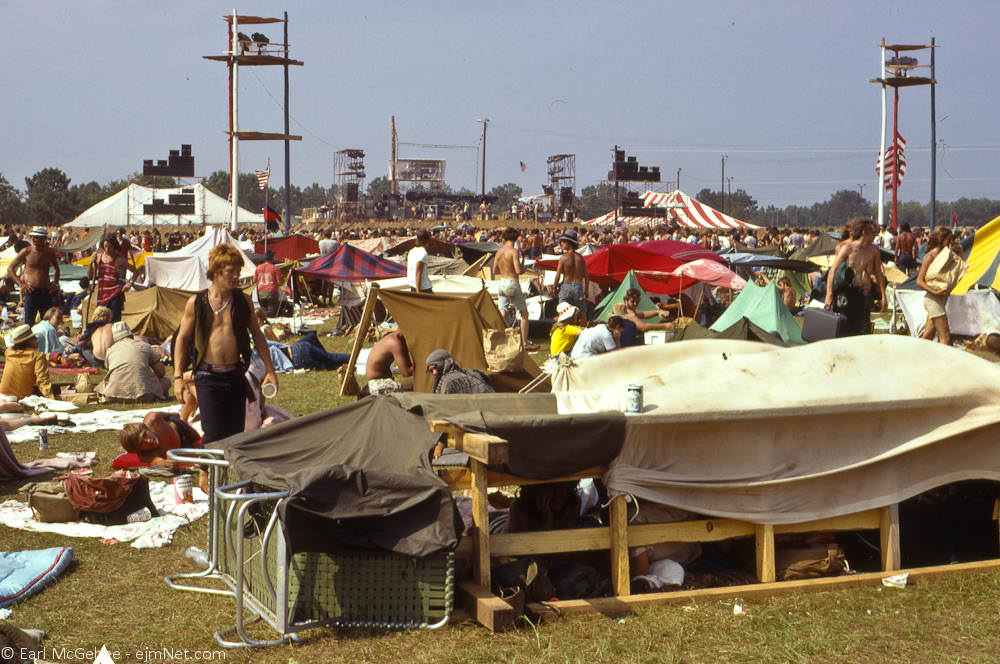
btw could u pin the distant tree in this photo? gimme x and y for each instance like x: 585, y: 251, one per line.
x: 738, y: 204
x: 315, y: 195
x: 843, y: 205
x: 85, y: 195
x: 250, y: 194
x: 11, y: 205
x: 506, y: 194
x: 48, y: 198
x: 379, y: 187
x: 596, y: 200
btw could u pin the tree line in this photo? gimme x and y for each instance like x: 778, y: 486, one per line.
x: 49, y: 198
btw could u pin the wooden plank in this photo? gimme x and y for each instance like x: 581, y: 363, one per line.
x: 460, y: 478
x: 481, y: 526
x: 621, y: 579
x: 359, y: 339
x: 889, y: 537
x: 623, y: 605
x: 550, y: 541
x: 868, y: 520
x: 708, y: 530
x: 765, y: 553
x: 488, y: 609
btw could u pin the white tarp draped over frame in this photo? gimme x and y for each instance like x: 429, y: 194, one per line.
x: 774, y: 435
x: 126, y: 207
x: 185, y: 268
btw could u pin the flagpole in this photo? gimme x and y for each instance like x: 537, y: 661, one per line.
x: 266, y: 187
x: 880, y: 182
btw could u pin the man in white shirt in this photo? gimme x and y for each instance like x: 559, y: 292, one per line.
x: 598, y: 339
x: 416, y: 265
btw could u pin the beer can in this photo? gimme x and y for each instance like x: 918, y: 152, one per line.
x: 633, y: 398
x: 43, y: 439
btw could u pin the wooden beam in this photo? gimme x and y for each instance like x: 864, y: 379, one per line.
x: 623, y: 605
x: 765, y: 553
x: 708, y: 530
x: 488, y: 609
x: 359, y: 339
x: 869, y: 520
x: 460, y: 478
x: 481, y: 525
x: 550, y: 541
x: 621, y: 579
x: 889, y: 537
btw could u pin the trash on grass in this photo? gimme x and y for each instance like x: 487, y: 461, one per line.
x: 896, y: 581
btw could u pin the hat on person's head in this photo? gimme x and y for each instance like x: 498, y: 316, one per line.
x: 565, y: 311
x: 571, y: 237
x: 38, y: 231
x: 20, y: 334
x: 120, y: 330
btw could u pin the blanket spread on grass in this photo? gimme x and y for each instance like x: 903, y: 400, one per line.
x: 24, y: 573
x: 156, y: 532
x: 98, y: 420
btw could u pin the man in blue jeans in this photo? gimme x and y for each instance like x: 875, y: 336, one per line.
x: 36, y: 286
x: 306, y: 353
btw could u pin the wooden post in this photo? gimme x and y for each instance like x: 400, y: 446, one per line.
x: 765, y: 554
x: 621, y: 580
x: 481, y: 524
x: 889, y: 537
x: 359, y: 339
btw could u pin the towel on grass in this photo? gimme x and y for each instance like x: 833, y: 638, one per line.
x: 156, y: 532
x: 98, y: 420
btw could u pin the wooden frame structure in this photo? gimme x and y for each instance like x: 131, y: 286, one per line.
x: 485, y: 450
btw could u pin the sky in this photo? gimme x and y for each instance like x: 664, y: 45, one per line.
x: 782, y: 88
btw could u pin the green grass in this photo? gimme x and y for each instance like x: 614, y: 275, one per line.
x: 115, y: 595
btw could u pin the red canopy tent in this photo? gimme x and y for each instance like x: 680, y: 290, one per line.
x: 292, y: 247
x: 684, y: 251
x: 610, y: 265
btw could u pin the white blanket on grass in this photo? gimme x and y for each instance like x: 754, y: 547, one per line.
x: 157, y: 532
x: 98, y: 420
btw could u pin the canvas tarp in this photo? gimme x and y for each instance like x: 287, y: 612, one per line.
x: 292, y: 247
x: 606, y: 306
x: 348, y: 263
x: 358, y: 476
x: 762, y: 306
x: 786, y: 435
x: 454, y: 323
x: 610, y: 265
x: 126, y: 208
x: 155, y: 312
x: 969, y: 315
x: 454, y: 284
x: 186, y: 268
x: 743, y: 329
x: 88, y: 241
x: 983, y: 259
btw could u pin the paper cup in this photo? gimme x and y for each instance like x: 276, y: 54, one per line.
x: 269, y: 390
x: 183, y: 490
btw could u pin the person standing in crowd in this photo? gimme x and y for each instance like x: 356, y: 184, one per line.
x: 571, y: 273
x: 214, y: 337
x: 267, y: 278
x: 36, y: 286
x: 107, y: 269
x: 861, y: 256
x: 508, y: 265
x: 936, y: 299
x: 416, y: 265
x: 906, y: 249
x: 327, y: 245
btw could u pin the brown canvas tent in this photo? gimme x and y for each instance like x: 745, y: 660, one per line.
x: 452, y: 322
x: 151, y: 312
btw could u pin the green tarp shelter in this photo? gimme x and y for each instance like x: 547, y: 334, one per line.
x: 742, y: 329
x: 604, y: 309
x: 763, y: 307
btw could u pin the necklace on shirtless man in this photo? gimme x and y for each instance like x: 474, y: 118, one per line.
x: 223, y: 306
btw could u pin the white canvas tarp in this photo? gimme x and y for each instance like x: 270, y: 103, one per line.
x: 971, y: 314
x: 774, y: 435
x: 185, y: 268
x: 126, y: 208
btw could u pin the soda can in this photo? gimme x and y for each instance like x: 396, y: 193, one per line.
x: 633, y: 398
x: 43, y: 439
x: 139, y: 515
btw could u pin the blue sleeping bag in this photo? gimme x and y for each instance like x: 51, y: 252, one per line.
x: 24, y: 573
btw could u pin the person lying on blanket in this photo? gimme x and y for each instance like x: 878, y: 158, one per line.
x: 147, y: 443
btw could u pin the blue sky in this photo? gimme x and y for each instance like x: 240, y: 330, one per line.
x: 94, y: 87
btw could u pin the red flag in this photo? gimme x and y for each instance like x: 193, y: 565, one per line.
x: 954, y: 219
x: 524, y: 167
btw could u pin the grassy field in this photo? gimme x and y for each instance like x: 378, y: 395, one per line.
x: 114, y: 595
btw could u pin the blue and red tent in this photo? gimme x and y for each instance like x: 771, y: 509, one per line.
x: 349, y: 263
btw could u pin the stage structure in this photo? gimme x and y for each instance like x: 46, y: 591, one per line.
x: 890, y: 166
x: 178, y: 164
x: 635, y: 180
x: 349, y: 176
x: 562, y: 182
x: 253, y: 51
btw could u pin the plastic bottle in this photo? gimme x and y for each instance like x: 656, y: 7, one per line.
x: 196, y: 557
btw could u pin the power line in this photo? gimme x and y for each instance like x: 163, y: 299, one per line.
x: 435, y: 146
x: 294, y: 119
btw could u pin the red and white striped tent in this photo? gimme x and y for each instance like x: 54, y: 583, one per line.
x: 608, y: 219
x: 686, y: 211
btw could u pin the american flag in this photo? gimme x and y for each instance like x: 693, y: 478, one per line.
x: 263, y: 176
x: 894, y: 156
x: 524, y: 167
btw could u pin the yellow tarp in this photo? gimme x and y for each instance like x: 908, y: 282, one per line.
x: 982, y: 260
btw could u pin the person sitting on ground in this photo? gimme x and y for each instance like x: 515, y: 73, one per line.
x: 599, y: 339
x: 632, y: 313
x: 73, y: 303
x: 566, y: 329
x: 449, y: 378
x: 135, y: 372
x: 96, y: 338
x: 378, y: 368
x: 47, y: 331
x: 25, y: 369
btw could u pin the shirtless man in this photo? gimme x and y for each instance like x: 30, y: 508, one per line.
x: 217, y: 327
x: 906, y: 249
x: 36, y: 287
x: 862, y: 256
x: 632, y: 313
x: 508, y: 265
x: 571, y: 275
x: 378, y: 368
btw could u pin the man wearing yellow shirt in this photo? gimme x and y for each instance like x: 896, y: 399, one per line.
x: 24, y: 367
x: 565, y: 331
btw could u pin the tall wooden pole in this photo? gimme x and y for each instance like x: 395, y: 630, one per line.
x: 896, y: 158
x: 393, y: 186
x: 880, y: 179
x: 234, y: 173
x: 288, y: 152
x: 933, y: 141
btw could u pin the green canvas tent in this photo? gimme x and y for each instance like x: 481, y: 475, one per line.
x: 763, y: 307
x: 604, y: 309
x: 742, y: 329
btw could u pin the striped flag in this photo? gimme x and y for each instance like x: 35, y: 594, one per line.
x: 263, y: 176
x: 895, y: 163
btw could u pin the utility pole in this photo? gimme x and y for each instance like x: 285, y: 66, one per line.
x: 933, y: 140
x: 485, y: 122
x: 861, y: 190
x: 722, y: 187
x: 678, y: 179
x: 729, y: 181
